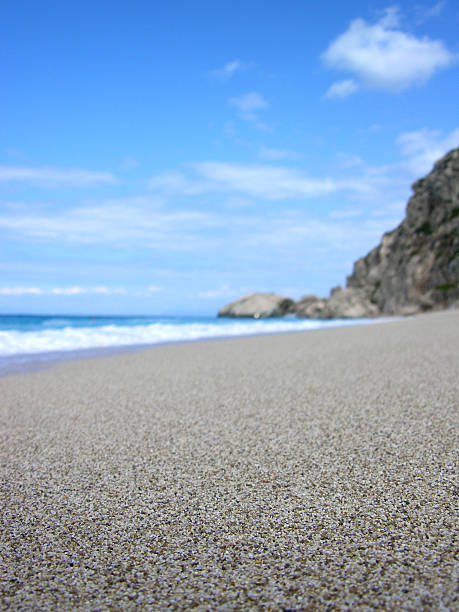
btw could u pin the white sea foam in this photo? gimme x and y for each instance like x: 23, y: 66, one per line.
x: 74, y: 338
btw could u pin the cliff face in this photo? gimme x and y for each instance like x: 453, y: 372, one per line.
x: 416, y: 266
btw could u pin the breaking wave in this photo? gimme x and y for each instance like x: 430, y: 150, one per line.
x: 71, y: 338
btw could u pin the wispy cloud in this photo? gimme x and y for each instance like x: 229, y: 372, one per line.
x: 20, y: 291
x: 382, y: 56
x: 252, y: 215
x: 435, y: 9
x: 342, y: 89
x: 76, y: 290
x: 254, y: 181
x: 112, y: 224
x: 55, y: 176
x: 249, y: 105
x: 268, y: 182
x: 296, y: 234
x: 424, y: 147
x: 85, y: 290
x: 229, y: 70
x: 424, y: 13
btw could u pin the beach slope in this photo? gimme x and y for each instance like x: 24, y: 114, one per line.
x: 299, y: 471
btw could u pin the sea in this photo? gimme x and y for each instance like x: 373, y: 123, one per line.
x: 29, y: 342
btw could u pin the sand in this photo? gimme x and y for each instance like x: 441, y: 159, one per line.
x: 305, y: 471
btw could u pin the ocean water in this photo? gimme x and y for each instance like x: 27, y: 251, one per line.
x: 30, y: 341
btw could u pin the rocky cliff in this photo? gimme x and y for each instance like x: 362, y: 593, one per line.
x: 416, y: 266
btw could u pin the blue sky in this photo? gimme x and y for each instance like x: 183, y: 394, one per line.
x: 168, y: 157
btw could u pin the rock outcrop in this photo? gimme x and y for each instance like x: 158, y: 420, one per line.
x: 416, y: 266
x: 342, y: 304
x: 311, y: 307
x: 350, y: 304
x: 258, y: 306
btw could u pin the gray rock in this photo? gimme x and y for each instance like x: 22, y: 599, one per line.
x: 416, y: 266
x: 311, y: 307
x: 258, y: 306
x: 342, y: 304
x: 350, y: 304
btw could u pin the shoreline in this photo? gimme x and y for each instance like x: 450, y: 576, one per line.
x: 284, y: 471
x: 21, y: 363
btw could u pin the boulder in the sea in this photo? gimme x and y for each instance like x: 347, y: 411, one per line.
x: 258, y: 306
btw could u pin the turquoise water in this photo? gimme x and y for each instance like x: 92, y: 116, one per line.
x: 26, y: 339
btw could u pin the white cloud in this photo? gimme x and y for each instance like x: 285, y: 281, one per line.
x: 363, y: 182
x: 249, y: 105
x: 381, y: 56
x: 425, y: 147
x: 86, y: 290
x: 226, y: 188
x: 253, y: 181
x: 263, y: 181
x: 20, y: 291
x: 342, y: 89
x: 112, y: 224
x: 229, y: 70
x: 391, y: 17
x: 55, y: 176
x: 269, y: 182
x: 66, y: 291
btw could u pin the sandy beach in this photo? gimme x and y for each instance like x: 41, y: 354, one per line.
x: 304, y: 471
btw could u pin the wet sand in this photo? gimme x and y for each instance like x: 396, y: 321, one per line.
x: 313, y: 470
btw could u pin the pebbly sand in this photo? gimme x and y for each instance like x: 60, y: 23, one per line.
x: 306, y: 471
